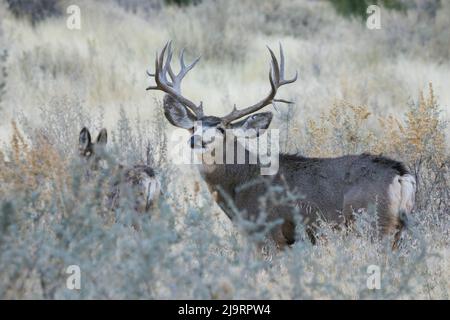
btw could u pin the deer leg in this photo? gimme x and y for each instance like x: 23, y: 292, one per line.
x: 283, y: 235
x: 278, y: 238
x: 288, y: 231
x: 311, y: 233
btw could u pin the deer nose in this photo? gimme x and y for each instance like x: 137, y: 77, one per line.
x: 196, y: 141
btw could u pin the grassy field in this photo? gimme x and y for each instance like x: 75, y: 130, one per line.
x: 359, y: 90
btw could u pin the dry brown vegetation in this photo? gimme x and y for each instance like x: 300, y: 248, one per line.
x: 358, y: 91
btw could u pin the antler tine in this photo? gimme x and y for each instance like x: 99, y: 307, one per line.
x: 274, y: 68
x: 162, y: 70
x: 281, y: 61
x: 160, y: 61
x: 183, y: 70
x: 182, y: 59
x: 168, y: 60
x: 285, y: 81
x: 276, y: 79
x: 173, y: 87
x: 192, y: 65
x: 153, y: 75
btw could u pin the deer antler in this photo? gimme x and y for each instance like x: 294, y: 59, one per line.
x: 173, y: 86
x: 276, y: 78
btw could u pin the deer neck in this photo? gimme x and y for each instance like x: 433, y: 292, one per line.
x: 226, y: 176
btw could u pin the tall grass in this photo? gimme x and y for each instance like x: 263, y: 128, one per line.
x: 52, y: 217
x: 358, y: 91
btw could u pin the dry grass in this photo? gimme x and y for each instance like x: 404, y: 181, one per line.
x: 356, y: 93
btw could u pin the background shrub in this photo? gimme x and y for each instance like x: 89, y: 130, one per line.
x: 358, y: 90
x: 183, y: 2
x: 34, y: 10
x: 357, y: 8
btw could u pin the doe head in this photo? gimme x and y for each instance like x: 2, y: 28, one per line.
x: 92, y: 152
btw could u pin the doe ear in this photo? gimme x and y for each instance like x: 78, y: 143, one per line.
x: 177, y: 114
x: 102, y: 137
x: 85, y: 138
x: 252, y: 126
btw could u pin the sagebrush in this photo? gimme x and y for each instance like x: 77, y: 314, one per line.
x: 357, y: 91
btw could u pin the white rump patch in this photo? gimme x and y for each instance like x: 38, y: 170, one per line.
x: 408, y: 183
x: 401, y: 194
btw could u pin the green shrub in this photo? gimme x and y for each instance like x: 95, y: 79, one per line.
x: 34, y: 10
x: 357, y: 8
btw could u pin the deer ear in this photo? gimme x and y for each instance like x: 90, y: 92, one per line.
x: 177, y: 114
x: 252, y: 126
x: 85, y: 138
x: 102, y: 137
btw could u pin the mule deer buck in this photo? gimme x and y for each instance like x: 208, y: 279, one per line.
x: 140, y: 180
x: 334, y: 188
